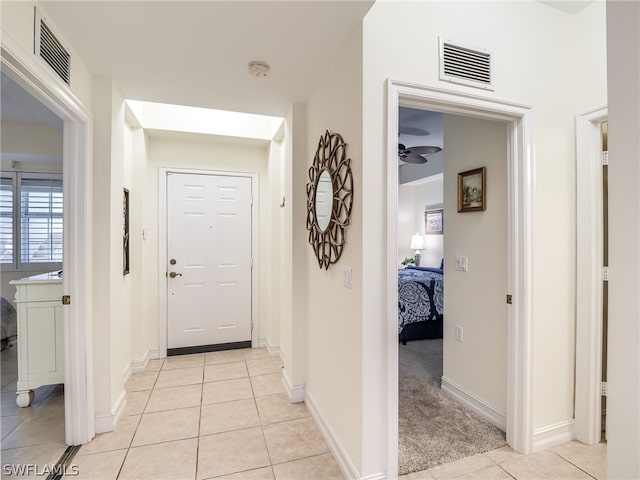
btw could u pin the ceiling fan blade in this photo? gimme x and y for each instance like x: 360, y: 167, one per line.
x: 419, y: 132
x: 413, y: 158
x: 423, y: 150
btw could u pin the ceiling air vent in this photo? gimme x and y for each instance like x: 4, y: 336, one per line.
x: 465, y: 65
x: 49, y: 48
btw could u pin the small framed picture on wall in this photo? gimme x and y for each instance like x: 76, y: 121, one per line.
x: 472, y: 192
x: 125, y: 232
x: 433, y: 222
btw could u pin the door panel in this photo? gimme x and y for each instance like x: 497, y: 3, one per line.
x: 209, y: 236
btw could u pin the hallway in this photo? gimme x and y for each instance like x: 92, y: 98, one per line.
x: 210, y: 415
x: 226, y: 415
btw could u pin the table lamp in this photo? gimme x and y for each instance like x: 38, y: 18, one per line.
x: 417, y: 244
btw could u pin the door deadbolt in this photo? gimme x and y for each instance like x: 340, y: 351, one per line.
x: 174, y: 274
x: 172, y: 261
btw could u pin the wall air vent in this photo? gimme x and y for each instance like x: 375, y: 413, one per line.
x: 465, y: 65
x: 49, y: 48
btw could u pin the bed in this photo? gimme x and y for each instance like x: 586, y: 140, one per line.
x: 420, y: 303
x: 8, y: 326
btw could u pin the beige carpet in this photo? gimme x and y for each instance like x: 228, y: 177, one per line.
x: 435, y: 429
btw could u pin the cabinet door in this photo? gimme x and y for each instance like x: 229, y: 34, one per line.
x: 45, y: 334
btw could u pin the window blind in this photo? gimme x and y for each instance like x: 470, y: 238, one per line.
x: 41, y: 218
x: 6, y: 220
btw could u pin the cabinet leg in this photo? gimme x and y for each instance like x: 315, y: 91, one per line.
x: 24, y: 398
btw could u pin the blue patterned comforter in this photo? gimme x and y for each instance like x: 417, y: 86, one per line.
x: 420, y: 295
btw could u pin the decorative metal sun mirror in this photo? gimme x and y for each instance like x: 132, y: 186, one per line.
x: 329, y: 198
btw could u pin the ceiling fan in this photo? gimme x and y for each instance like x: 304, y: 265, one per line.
x: 417, y: 154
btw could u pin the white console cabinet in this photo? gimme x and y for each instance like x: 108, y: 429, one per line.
x: 40, y: 334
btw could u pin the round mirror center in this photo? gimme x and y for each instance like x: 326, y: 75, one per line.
x: 324, y: 200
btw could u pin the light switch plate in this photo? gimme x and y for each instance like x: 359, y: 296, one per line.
x: 459, y: 333
x: 346, y: 274
x: 462, y: 264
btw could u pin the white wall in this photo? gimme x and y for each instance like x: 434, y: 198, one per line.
x: 146, y: 288
x: 17, y: 19
x: 41, y: 144
x: 413, y: 199
x: 293, y: 339
x: 406, y: 221
x: 273, y: 270
x: 111, y: 290
x: 531, y: 68
x: 134, y: 286
x: 623, y: 414
x: 475, y: 299
x: 200, y: 152
x: 591, y: 57
x: 334, y: 313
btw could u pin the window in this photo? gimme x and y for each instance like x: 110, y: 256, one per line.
x: 6, y: 220
x: 31, y: 219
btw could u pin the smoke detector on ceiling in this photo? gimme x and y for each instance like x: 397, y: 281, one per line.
x: 259, y: 69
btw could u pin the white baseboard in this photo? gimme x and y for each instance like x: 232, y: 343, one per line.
x: 471, y: 401
x: 154, y: 353
x: 139, y: 365
x: 343, y: 460
x: 128, y: 370
x: 273, y: 349
x: 295, y: 392
x: 107, y: 422
x: 553, y: 435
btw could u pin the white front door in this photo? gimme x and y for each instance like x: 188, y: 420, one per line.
x: 209, y: 259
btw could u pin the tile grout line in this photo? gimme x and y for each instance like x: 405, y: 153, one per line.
x: 264, y: 437
x: 505, y: 471
x: 571, y: 463
x: 195, y: 474
x: 126, y: 455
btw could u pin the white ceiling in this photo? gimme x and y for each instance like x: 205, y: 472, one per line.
x: 196, y: 53
x: 568, y: 6
x: 420, y: 127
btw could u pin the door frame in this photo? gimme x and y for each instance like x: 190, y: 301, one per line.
x: 520, y: 178
x: 40, y: 81
x: 162, y: 249
x: 589, y: 276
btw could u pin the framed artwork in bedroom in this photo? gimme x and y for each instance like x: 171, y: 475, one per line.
x: 434, y: 222
x: 472, y: 193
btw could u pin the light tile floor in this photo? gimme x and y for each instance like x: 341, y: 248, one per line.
x: 215, y: 415
x: 225, y: 415
x: 572, y: 460
x: 35, y: 434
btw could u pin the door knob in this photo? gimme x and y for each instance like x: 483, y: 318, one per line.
x: 174, y: 274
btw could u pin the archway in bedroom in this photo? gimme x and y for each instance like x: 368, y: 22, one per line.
x: 434, y: 426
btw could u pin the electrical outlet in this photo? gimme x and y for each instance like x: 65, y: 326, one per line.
x: 459, y: 333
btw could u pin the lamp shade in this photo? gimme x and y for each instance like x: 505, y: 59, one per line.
x: 417, y: 242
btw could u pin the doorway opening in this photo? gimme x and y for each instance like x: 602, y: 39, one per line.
x: 31, y: 218
x: 33, y: 77
x: 452, y: 317
x: 591, y: 276
x: 519, y: 180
